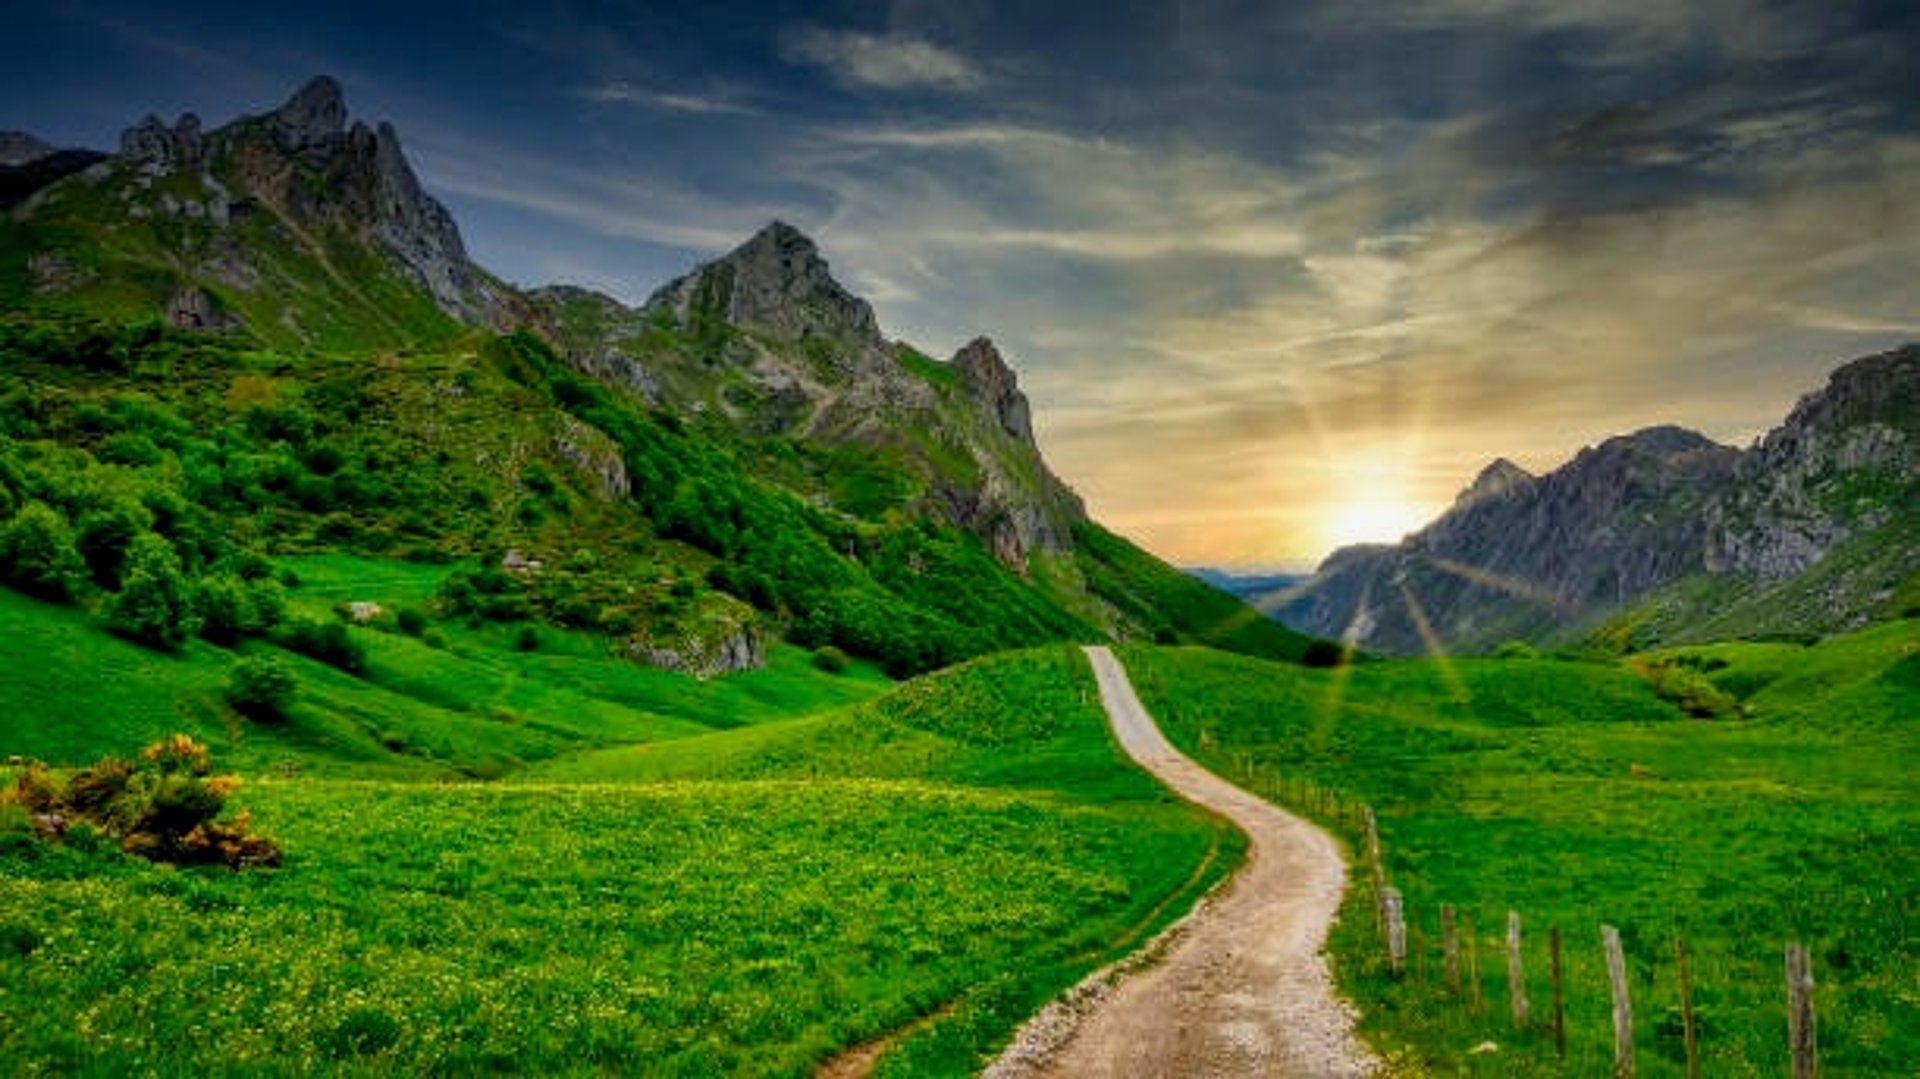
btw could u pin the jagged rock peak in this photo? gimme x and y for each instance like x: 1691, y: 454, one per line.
x: 780, y: 272
x: 315, y: 116
x: 776, y: 282
x: 986, y: 375
x: 151, y: 144
x: 1882, y: 388
x: 20, y: 148
x: 1665, y: 440
x: 1500, y: 479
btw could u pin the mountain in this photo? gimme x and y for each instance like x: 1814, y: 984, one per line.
x: 19, y: 148
x: 28, y: 164
x: 1262, y: 591
x: 765, y: 340
x: 305, y: 230
x: 1660, y: 535
x: 272, y: 332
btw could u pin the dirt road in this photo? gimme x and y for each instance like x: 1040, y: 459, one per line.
x: 1239, y: 988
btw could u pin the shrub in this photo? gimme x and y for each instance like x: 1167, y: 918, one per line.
x: 155, y: 604
x: 1321, y: 653
x: 1516, y: 650
x: 269, y: 603
x: 830, y: 659
x: 164, y: 807
x: 262, y: 688
x: 104, y: 537
x: 411, y: 620
x: 226, y: 610
x: 37, y: 554
x: 1689, y: 690
x: 327, y: 642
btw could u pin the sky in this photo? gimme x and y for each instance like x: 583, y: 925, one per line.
x: 1277, y: 276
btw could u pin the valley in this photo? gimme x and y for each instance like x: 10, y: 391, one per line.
x: 713, y: 684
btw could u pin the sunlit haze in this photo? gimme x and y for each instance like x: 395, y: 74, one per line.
x: 1276, y: 276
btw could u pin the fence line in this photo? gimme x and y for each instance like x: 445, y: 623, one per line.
x: 1399, y: 933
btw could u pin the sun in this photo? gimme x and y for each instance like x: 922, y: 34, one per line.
x: 1372, y: 520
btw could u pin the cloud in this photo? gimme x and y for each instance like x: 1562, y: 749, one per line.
x: 654, y: 211
x: 621, y: 91
x: 886, y: 61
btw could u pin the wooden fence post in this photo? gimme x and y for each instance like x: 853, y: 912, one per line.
x: 1800, y: 1041
x: 1450, y: 949
x: 1622, y: 1007
x: 1395, y: 916
x: 1473, y: 967
x: 1559, y: 994
x: 1689, y: 1027
x: 1516, y: 973
x: 1379, y: 871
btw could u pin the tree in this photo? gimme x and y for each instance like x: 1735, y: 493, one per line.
x: 262, y: 688
x: 37, y: 555
x: 226, y: 610
x: 155, y: 604
x: 104, y: 537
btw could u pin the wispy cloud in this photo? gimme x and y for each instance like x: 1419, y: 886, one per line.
x: 649, y: 210
x: 621, y: 91
x: 890, y: 61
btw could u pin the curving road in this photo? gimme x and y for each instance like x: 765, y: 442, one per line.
x: 1240, y: 987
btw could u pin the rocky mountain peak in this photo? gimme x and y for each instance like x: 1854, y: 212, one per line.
x: 1665, y: 440
x: 1501, y: 479
x: 157, y: 148
x: 20, y: 148
x: 1883, y: 388
x: 986, y: 375
x: 315, y: 117
x: 776, y: 282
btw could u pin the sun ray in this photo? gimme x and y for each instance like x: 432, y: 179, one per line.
x: 1498, y: 582
x: 1435, y: 648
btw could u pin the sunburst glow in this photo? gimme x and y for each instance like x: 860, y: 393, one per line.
x: 1373, y: 520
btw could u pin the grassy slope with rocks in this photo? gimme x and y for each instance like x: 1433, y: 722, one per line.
x: 1573, y: 793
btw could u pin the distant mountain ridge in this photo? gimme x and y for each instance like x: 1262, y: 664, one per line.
x: 1660, y: 535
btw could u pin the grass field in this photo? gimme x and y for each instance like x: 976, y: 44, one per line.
x: 473, y: 703
x: 939, y: 860
x: 1570, y: 793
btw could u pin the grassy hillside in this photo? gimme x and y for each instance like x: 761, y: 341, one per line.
x: 706, y: 925
x: 1576, y: 795
x: 647, y: 531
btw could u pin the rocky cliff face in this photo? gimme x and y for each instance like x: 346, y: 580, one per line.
x: 1524, y: 556
x: 304, y: 161
x: 1842, y: 464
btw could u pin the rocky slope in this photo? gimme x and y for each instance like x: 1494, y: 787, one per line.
x: 1658, y: 535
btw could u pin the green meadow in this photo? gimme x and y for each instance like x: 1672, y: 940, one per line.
x: 1577, y: 796
x: 741, y: 876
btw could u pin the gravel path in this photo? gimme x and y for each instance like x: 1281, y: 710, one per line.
x: 1239, y: 987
